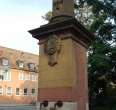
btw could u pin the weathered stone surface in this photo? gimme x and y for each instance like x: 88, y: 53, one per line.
x: 67, y: 80
x: 62, y: 7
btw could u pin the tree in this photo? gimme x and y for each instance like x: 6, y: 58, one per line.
x: 47, y: 16
x: 102, y: 52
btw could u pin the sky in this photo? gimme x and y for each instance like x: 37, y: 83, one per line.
x: 17, y: 17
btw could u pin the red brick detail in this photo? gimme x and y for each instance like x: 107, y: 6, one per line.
x: 82, y: 79
x: 78, y: 92
x: 55, y: 94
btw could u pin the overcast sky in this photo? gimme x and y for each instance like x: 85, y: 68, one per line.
x: 19, y: 16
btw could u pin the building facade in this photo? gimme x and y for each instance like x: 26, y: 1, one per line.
x: 18, y: 77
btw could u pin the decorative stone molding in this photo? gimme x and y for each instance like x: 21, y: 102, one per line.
x: 52, y: 48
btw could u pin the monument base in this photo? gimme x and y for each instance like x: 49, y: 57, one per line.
x: 66, y: 106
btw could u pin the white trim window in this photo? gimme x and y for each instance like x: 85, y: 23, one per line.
x: 1, y: 90
x: 9, y: 91
x: 31, y: 66
x: 17, y: 91
x: 5, y: 62
x: 25, y: 91
x: 6, y: 75
x: 21, y: 75
x: 33, y: 91
x: 1, y: 75
x: 32, y: 76
x: 20, y: 64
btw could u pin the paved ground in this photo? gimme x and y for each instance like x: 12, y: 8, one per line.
x: 18, y: 108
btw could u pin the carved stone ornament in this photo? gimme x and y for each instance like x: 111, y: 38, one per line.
x: 52, y: 49
x: 57, y: 3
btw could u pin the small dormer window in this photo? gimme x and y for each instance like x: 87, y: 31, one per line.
x: 20, y: 64
x: 5, y: 62
x: 31, y: 66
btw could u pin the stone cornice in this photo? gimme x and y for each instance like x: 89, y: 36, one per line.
x: 67, y: 25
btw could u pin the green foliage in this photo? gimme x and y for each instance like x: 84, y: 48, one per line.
x: 102, y: 52
x: 47, y: 16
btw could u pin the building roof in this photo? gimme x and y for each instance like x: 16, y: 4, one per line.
x: 16, y: 55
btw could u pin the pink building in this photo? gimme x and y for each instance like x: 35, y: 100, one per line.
x: 18, y: 77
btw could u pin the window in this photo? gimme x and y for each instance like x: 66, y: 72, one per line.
x: 9, y: 91
x: 6, y: 74
x: 1, y: 75
x: 1, y: 90
x: 17, y: 91
x: 21, y: 76
x: 20, y: 64
x: 33, y: 91
x: 33, y: 76
x: 5, y: 62
x: 25, y: 91
x: 31, y: 66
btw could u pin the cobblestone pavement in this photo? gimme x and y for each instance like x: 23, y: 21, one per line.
x: 18, y: 108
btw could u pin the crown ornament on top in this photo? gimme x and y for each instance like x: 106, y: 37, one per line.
x: 63, y: 7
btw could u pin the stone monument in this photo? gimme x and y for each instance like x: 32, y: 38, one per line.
x: 63, y: 43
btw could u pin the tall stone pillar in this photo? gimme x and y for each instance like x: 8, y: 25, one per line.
x: 63, y: 59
